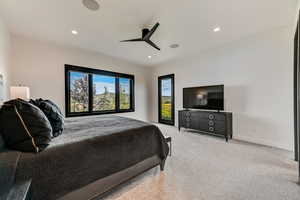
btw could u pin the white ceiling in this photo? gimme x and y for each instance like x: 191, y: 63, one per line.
x: 189, y: 23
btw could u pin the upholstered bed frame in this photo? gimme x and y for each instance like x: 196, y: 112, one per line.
x: 99, y: 188
x: 93, y: 156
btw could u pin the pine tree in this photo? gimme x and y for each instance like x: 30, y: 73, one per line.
x: 79, y: 94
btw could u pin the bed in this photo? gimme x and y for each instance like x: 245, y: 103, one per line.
x: 93, y: 155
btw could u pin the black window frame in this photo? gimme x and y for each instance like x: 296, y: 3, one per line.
x: 160, y: 119
x: 91, y: 72
x: 297, y: 95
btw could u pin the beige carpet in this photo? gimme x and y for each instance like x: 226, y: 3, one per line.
x: 206, y: 167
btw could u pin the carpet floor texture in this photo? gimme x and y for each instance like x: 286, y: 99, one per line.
x: 204, y: 167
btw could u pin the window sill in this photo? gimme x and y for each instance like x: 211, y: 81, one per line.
x: 98, y: 113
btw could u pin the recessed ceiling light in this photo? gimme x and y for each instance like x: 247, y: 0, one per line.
x: 174, y: 46
x: 217, y: 29
x: 74, y: 32
x: 91, y: 4
x: 149, y: 57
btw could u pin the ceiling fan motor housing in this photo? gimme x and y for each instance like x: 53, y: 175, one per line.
x: 145, y: 31
x: 146, y: 35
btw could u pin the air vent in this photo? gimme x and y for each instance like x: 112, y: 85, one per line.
x: 174, y: 46
x: 91, y: 4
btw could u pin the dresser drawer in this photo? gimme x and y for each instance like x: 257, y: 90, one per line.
x: 208, y: 115
x: 207, y: 125
x: 215, y: 116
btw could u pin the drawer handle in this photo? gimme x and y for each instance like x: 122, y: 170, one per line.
x: 211, y: 123
x: 211, y: 116
x: 211, y: 129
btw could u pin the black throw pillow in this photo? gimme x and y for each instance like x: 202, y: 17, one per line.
x: 53, y: 113
x: 24, y: 127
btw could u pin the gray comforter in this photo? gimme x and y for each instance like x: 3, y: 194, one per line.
x: 89, y: 149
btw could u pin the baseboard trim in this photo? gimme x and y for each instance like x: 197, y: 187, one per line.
x: 261, y: 142
x: 254, y: 141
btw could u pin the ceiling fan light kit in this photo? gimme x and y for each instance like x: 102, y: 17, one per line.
x: 146, y: 35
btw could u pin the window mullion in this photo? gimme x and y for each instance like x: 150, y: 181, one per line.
x: 132, y: 94
x: 91, y: 95
x: 117, y: 94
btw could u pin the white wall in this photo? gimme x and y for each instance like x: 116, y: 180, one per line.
x: 5, y: 53
x: 257, y: 73
x: 258, y: 76
x: 40, y: 66
x: 296, y: 17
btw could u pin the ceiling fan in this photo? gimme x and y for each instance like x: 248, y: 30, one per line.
x: 146, y: 35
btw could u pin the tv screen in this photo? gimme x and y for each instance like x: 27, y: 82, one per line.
x: 206, y: 97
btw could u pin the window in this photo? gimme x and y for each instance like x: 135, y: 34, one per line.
x: 104, y: 93
x: 79, y: 92
x: 124, y: 93
x: 166, y: 99
x: 92, y: 91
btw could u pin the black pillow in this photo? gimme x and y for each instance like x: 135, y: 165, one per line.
x: 53, y: 113
x: 24, y: 127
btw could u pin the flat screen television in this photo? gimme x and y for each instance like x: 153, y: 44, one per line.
x: 205, y: 97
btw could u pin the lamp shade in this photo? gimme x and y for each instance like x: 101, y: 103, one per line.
x: 19, y: 92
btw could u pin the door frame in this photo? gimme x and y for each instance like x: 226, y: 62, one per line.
x: 160, y: 120
x: 297, y: 94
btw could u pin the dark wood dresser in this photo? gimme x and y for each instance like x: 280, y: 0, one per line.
x: 217, y: 123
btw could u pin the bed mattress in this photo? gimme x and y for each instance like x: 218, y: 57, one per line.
x: 89, y: 149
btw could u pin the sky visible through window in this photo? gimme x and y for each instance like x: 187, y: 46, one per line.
x: 75, y: 76
x: 125, y: 85
x: 101, y: 82
x: 166, y: 87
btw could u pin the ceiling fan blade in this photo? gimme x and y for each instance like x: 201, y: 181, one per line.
x: 150, y: 33
x: 133, y: 40
x: 153, y: 45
